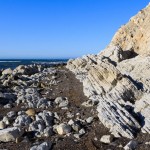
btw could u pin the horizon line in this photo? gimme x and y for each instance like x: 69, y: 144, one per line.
x: 38, y: 58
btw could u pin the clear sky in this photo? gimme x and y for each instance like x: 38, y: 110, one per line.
x: 61, y: 28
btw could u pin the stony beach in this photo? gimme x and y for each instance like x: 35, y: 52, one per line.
x: 96, y: 102
x: 45, y: 108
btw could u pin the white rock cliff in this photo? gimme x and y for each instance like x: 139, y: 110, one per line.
x: 118, y: 78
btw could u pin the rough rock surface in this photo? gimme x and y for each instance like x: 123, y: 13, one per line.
x: 43, y: 146
x: 118, y: 78
x: 135, y: 34
x: 106, y: 139
x: 10, y: 134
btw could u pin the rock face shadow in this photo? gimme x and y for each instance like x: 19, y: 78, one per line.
x: 139, y: 85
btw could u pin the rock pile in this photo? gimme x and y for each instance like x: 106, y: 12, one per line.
x: 33, y: 114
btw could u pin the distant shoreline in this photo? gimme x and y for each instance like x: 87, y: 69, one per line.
x: 13, y: 63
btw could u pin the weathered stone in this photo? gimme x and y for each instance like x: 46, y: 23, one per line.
x: 8, y: 106
x: 89, y: 120
x: 71, y: 122
x: 43, y: 103
x: 21, y: 113
x: 77, y: 136
x: 70, y: 115
x: 43, y: 146
x: 82, y: 132
x: 106, y: 84
x: 76, y: 126
x: 11, y: 114
x: 142, y: 107
x: 38, y: 126
x: 58, y: 100
x: 106, y: 139
x: 147, y: 143
x: 22, y: 120
x: 131, y: 145
x: 7, y: 71
x: 48, y: 132
x: 64, y: 103
x: 63, y: 129
x: 26, y: 70
x: 6, y: 120
x: 30, y: 112
x: 134, y: 35
x: 2, y: 125
x: 118, y: 77
x: 10, y: 134
x: 47, y: 117
x: 88, y: 103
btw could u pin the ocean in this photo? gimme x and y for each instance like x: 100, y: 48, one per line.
x: 13, y: 63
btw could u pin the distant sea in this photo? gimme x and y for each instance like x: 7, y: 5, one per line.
x: 13, y: 63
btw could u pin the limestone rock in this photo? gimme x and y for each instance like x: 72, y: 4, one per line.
x: 142, y: 107
x: 147, y: 143
x: 135, y: 34
x: 7, y: 71
x: 30, y: 112
x: 105, y: 83
x: 43, y: 146
x: 10, y: 134
x: 22, y: 120
x: 76, y: 126
x: 63, y: 129
x: 2, y: 125
x: 11, y: 114
x: 62, y: 101
x: 106, y: 139
x: 81, y: 132
x: 48, y: 131
x: 47, y: 117
x: 6, y: 120
x: 38, y: 126
x: 26, y: 70
x: 138, y: 69
x: 89, y: 120
x: 131, y: 145
x: 118, y: 77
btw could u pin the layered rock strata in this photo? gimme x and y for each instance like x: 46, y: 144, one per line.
x: 118, y: 78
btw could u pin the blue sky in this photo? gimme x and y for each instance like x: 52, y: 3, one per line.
x: 61, y: 28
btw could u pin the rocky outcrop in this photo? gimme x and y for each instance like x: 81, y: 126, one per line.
x: 118, y: 78
x: 135, y: 34
x: 104, y: 83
